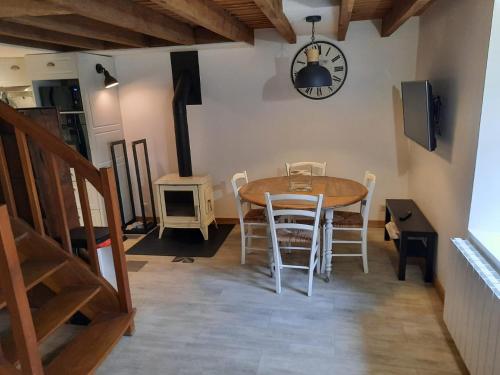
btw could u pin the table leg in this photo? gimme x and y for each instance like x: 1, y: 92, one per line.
x: 403, y: 247
x: 429, y: 259
x: 328, y: 242
x: 387, y: 219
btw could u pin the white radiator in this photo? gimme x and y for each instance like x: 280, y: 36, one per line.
x: 472, y: 309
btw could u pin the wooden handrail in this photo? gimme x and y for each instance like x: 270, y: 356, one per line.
x: 50, y: 143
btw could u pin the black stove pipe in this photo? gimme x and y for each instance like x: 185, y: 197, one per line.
x: 179, y: 103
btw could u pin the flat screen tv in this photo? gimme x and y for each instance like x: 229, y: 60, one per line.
x: 419, y: 113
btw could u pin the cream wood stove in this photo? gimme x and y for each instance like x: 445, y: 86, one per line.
x: 185, y: 202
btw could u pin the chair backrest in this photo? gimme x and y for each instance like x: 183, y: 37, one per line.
x: 293, y: 200
x: 369, y: 182
x: 237, y: 182
x: 306, y: 168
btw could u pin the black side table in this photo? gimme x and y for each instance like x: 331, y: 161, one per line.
x: 417, y: 237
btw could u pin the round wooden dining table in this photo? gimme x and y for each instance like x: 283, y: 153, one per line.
x: 337, y: 192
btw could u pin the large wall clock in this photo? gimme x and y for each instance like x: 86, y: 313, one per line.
x: 332, y: 58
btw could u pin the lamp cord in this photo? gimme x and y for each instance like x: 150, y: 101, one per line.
x: 312, y: 36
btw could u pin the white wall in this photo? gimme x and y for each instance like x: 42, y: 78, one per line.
x: 452, y: 53
x: 253, y: 119
x: 485, y: 211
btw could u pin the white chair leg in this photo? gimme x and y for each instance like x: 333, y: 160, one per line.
x: 243, y: 245
x: 310, y: 281
x: 318, y: 262
x: 277, y: 274
x: 323, y: 251
x: 364, y: 251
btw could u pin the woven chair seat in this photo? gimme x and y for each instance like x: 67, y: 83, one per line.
x: 294, y: 236
x: 255, y: 215
x: 346, y: 219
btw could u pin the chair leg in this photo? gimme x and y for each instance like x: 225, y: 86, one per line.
x: 243, y: 245
x: 323, y: 250
x: 310, y: 279
x: 318, y: 262
x: 364, y: 251
x: 277, y: 274
x: 270, y: 252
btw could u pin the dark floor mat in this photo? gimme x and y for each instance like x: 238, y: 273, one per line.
x: 183, y: 242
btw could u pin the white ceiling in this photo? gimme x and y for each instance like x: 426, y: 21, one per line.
x: 7, y: 50
x: 298, y: 10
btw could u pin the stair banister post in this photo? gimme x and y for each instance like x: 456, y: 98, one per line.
x: 6, y: 183
x: 114, y: 223
x: 14, y: 290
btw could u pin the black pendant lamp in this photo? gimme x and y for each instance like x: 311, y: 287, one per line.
x: 313, y: 74
x: 109, y: 80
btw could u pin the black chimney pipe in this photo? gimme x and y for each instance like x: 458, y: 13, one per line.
x: 181, y: 95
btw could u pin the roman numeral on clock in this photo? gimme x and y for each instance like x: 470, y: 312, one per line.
x: 309, y: 90
x: 336, y: 79
x: 335, y: 58
x: 318, y: 91
x: 339, y: 69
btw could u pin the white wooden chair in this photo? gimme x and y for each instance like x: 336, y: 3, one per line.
x: 250, y: 218
x: 354, y: 222
x: 294, y: 236
x: 306, y: 168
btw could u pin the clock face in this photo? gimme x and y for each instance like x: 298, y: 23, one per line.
x: 330, y: 57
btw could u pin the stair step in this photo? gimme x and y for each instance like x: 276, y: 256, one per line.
x: 52, y: 315
x: 87, y: 351
x: 34, y: 271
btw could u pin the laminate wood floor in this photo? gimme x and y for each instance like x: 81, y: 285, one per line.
x: 215, y: 316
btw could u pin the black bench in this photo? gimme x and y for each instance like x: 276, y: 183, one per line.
x: 417, y: 237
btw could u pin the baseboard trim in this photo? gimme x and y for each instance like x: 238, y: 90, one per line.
x: 233, y: 220
x: 439, y: 288
x: 227, y: 220
x: 376, y: 224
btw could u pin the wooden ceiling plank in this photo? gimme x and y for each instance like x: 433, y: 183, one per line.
x: 41, y: 35
x: 80, y: 26
x: 211, y: 16
x: 401, y: 11
x: 273, y: 10
x: 126, y: 14
x: 33, y: 44
x: 21, y: 8
x: 345, y: 16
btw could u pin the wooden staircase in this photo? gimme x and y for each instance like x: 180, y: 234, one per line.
x: 30, y: 259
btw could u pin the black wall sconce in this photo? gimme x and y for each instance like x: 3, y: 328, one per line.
x: 109, y: 80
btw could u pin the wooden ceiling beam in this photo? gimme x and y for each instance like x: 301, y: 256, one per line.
x: 401, y: 11
x: 211, y: 16
x: 345, y: 16
x: 85, y: 27
x: 21, y: 8
x: 33, y: 44
x: 128, y: 15
x: 273, y: 10
x: 41, y: 35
